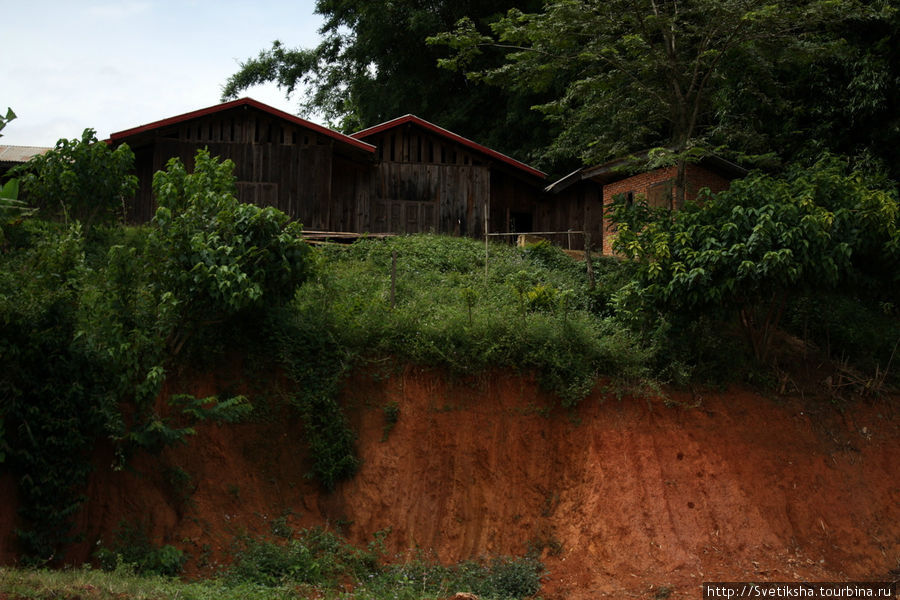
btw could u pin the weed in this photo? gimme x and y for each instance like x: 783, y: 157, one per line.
x: 132, y: 549
x: 180, y: 484
x: 391, y: 416
x: 234, y: 490
x: 663, y: 591
x: 280, y: 528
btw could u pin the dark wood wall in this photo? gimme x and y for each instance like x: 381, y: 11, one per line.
x: 425, y: 182
x: 277, y: 163
x: 579, y: 208
x: 418, y: 181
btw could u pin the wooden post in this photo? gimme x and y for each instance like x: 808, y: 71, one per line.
x: 393, y: 276
x: 570, y: 239
x: 587, y: 259
x: 486, y: 213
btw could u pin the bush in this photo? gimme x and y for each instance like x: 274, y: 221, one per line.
x: 132, y: 549
x: 82, y: 180
x: 220, y: 258
x: 316, y: 556
x: 325, y: 560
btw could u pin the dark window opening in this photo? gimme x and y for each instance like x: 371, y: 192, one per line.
x: 521, y: 222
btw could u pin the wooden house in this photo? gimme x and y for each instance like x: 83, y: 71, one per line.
x: 406, y: 175
x: 317, y: 176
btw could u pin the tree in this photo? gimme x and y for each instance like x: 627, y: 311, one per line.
x: 219, y: 257
x: 639, y: 73
x: 835, y: 90
x: 750, y: 248
x: 83, y: 180
x: 374, y: 65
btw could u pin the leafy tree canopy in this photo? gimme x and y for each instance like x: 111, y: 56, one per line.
x: 834, y: 89
x: 374, y: 65
x: 655, y: 73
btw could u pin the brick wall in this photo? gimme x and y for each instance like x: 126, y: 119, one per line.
x: 658, y: 188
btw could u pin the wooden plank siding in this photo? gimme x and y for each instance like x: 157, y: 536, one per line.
x: 401, y: 177
x: 579, y: 208
x: 277, y: 163
x: 425, y: 183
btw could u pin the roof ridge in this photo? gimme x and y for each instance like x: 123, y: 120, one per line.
x: 411, y: 118
x: 245, y: 101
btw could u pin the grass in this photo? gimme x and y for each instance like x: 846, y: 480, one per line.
x: 88, y: 584
x: 500, y: 578
x: 309, y: 563
x: 531, y: 309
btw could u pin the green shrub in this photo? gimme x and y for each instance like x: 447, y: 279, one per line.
x: 863, y: 331
x: 82, y: 180
x: 314, y: 556
x: 499, y: 578
x: 221, y: 258
x: 132, y: 548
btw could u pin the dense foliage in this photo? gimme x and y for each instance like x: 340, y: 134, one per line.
x: 374, y: 65
x: 91, y: 323
x: 80, y: 180
x: 321, y: 559
x: 752, y: 79
x: 765, y: 241
x: 312, y: 563
x: 220, y: 258
x: 530, y: 309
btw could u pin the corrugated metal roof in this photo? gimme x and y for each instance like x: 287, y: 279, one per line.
x: 20, y: 154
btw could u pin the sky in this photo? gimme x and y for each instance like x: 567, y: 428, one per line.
x: 111, y: 65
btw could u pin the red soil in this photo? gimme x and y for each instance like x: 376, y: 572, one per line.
x: 623, y: 495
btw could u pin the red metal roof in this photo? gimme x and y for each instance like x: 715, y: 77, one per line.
x: 450, y: 135
x: 244, y: 102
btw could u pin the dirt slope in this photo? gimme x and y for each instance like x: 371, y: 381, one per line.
x: 623, y: 495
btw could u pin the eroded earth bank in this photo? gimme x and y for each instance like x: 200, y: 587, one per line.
x: 621, y: 496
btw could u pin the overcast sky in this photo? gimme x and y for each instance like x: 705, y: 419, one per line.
x: 115, y: 64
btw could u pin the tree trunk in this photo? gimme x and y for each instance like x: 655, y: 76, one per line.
x: 680, y: 184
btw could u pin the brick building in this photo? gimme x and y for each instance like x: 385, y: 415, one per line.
x: 657, y: 186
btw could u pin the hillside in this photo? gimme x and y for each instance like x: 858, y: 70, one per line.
x: 624, y: 496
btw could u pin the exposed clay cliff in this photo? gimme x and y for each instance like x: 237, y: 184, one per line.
x: 621, y: 496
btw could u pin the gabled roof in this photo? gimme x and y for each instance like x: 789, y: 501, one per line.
x: 622, y: 168
x: 250, y: 102
x: 399, y: 121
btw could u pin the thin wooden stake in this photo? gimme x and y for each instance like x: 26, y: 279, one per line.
x: 393, y: 276
x: 587, y: 259
x: 486, y: 238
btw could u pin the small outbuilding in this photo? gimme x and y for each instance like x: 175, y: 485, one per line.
x: 13, y: 156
